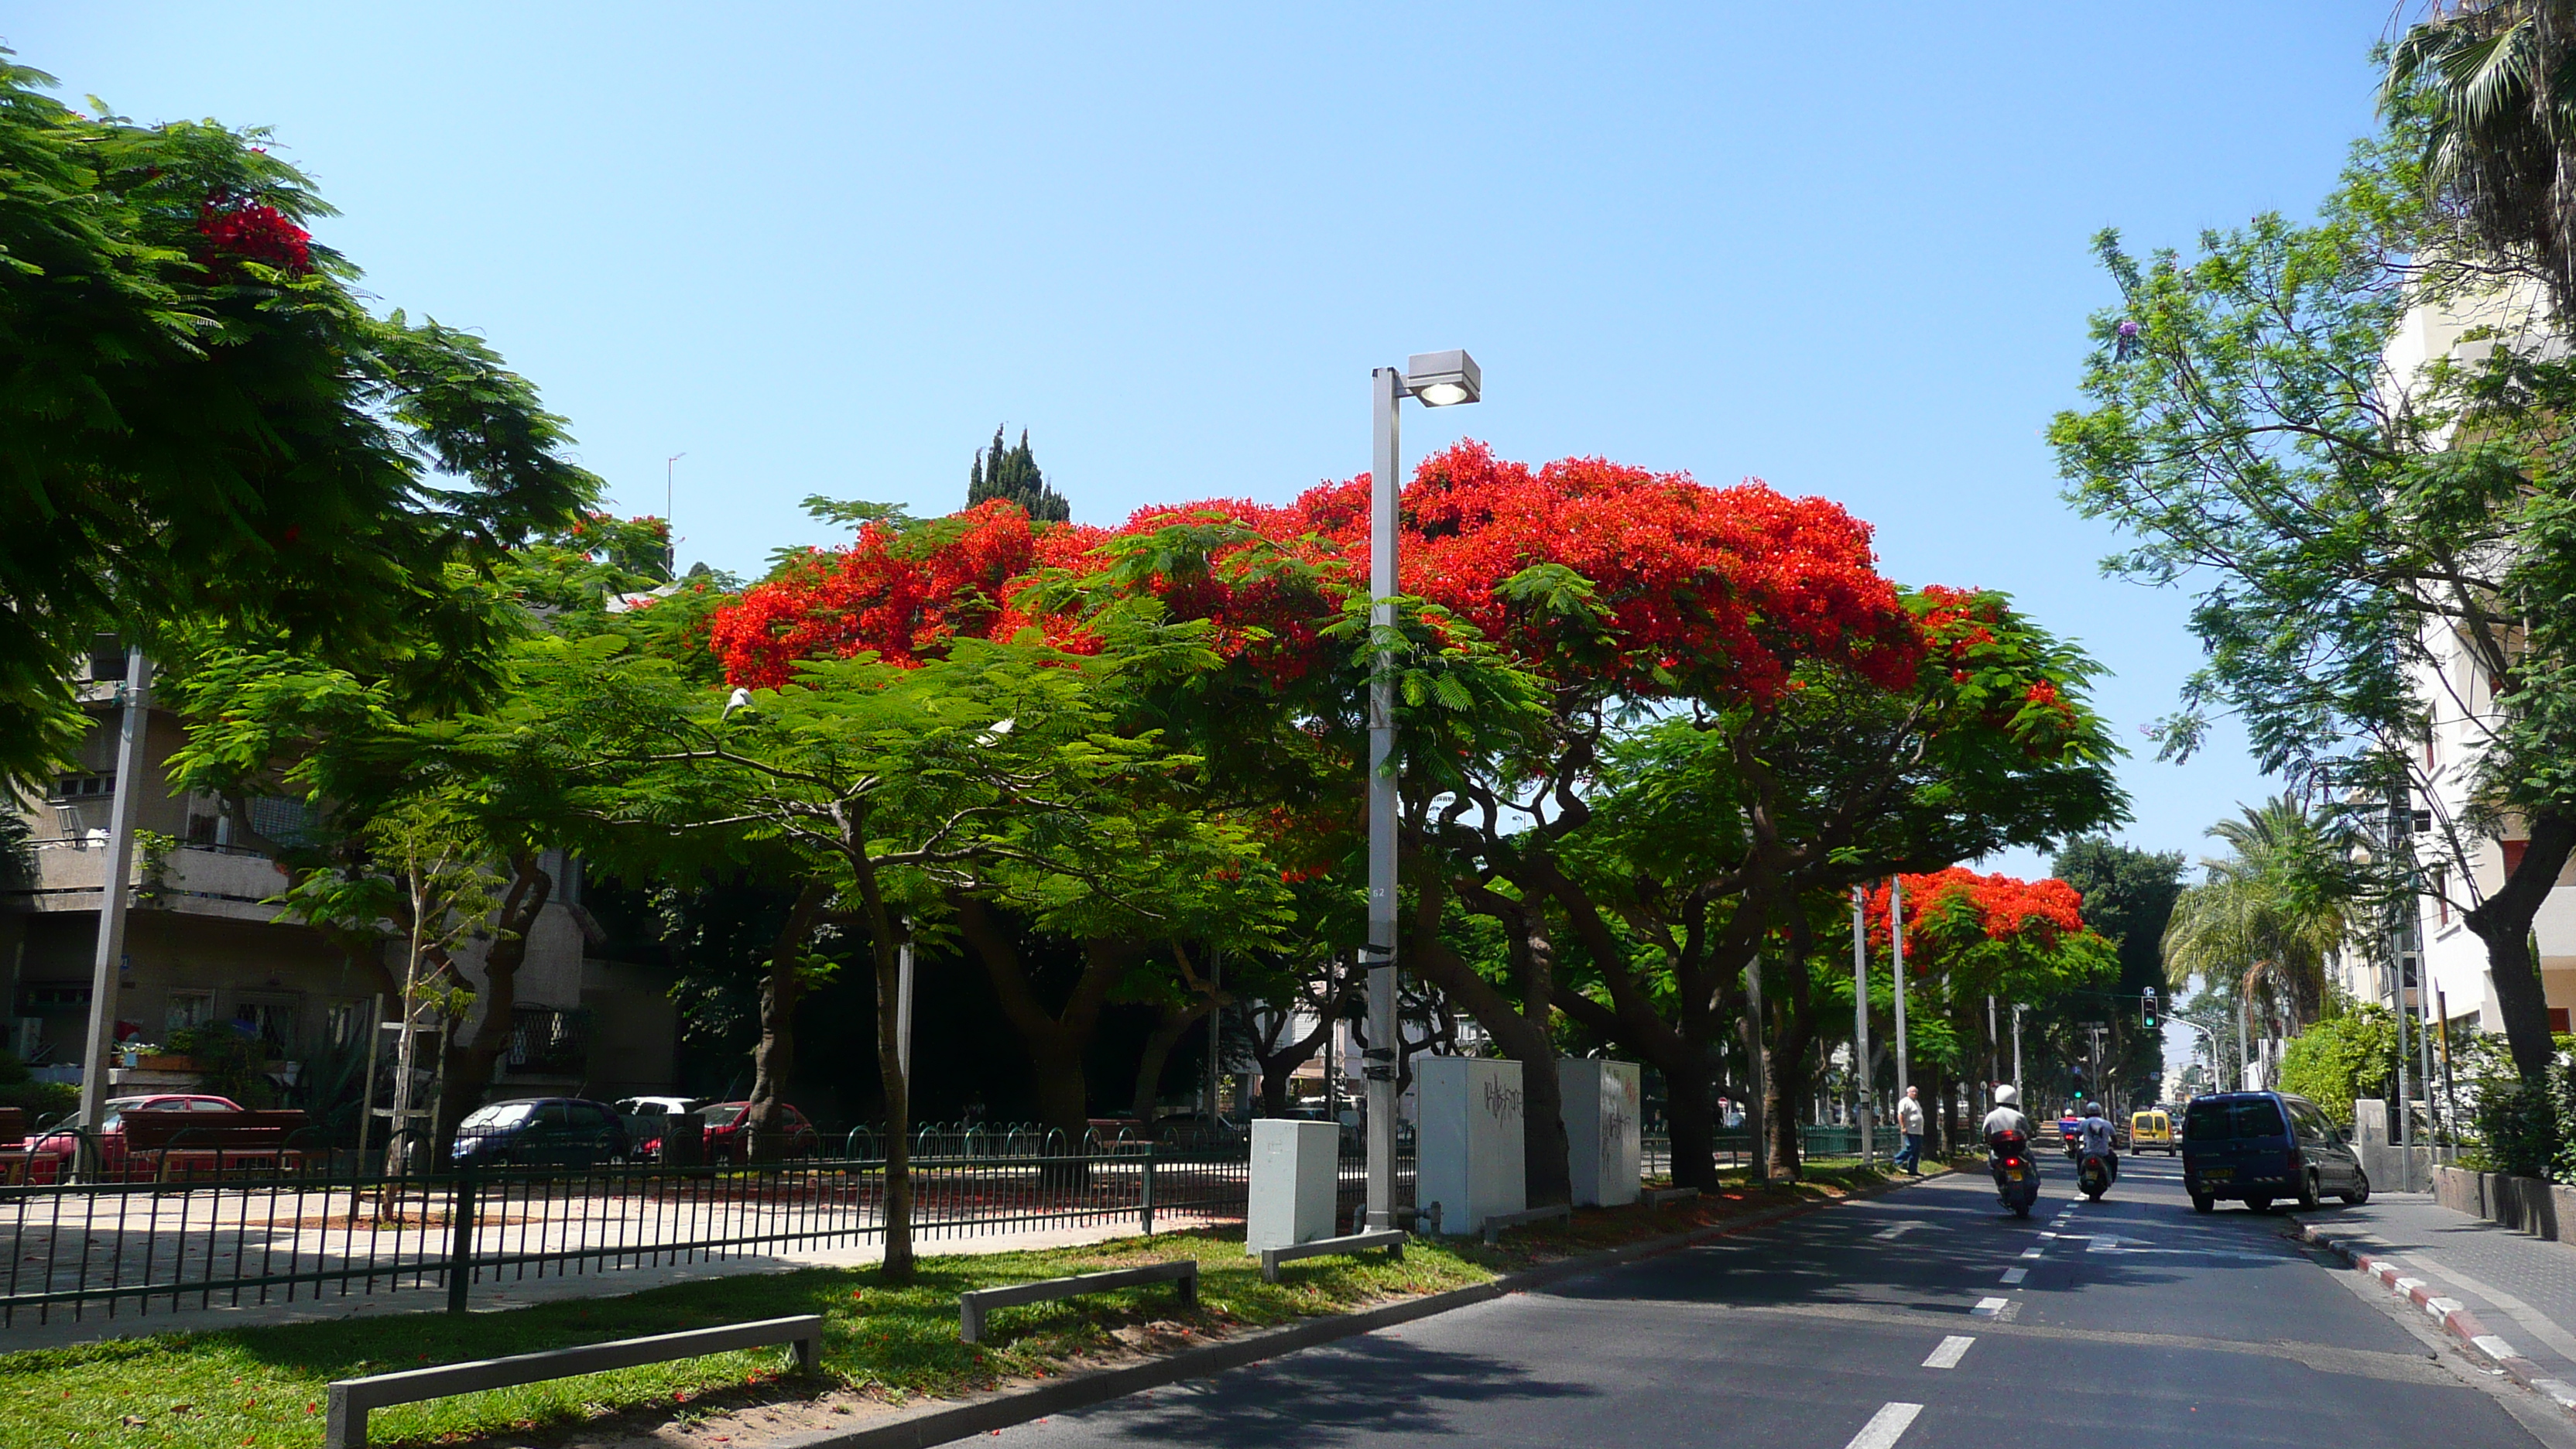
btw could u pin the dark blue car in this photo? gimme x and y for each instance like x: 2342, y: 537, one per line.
x: 560, y: 1131
x: 2259, y: 1147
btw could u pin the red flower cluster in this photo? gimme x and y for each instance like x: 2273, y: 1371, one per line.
x: 901, y: 593
x: 254, y: 231
x: 1714, y: 592
x: 2004, y: 907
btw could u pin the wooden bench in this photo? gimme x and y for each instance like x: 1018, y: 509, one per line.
x: 346, y: 1428
x: 1391, y: 1239
x: 184, y: 1140
x: 975, y: 1303
x: 1495, y: 1223
x: 1655, y: 1197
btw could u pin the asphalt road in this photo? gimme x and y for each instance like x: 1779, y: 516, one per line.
x: 1928, y: 1318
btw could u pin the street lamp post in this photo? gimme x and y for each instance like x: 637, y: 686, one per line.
x: 1435, y: 379
x: 106, y: 966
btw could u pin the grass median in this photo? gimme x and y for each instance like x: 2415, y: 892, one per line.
x: 265, y: 1386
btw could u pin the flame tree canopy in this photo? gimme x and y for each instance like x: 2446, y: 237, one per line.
x: 1772, y: 715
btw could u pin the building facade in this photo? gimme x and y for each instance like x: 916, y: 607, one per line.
x: 204, y: 946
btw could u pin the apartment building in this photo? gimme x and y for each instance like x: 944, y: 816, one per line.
x: 2461, y: 867
x: 203, y: 945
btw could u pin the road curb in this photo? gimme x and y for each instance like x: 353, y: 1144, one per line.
x: 2454, y: 1316
x: 944, y: 1422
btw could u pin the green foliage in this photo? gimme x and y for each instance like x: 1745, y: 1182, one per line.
x: 2518, y: 1129
x: 2288, y: 895
x: 1011, y: 473
x: 229, y: 1063
x: 212, y: 432
x: 2341, y: 1058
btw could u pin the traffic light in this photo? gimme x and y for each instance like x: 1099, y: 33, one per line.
x: 2147, y: 1009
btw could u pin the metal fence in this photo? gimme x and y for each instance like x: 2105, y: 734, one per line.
x: 273, y: 1232
x: 1735, y: 1148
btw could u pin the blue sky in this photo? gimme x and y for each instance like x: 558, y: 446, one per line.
x: 826, y: 249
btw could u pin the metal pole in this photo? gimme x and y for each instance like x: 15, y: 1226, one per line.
x: 1993, y: 1046
x: 1386, y: 389
x: 1216, y: 1015
x: 367, y: 1098
x: 114, y: 892
x: 2405, y: 1117
x: 1896, y: 941
x: 1863, y: 1086
x: 2018, y: 1009
x: 2424, y: 1044
x: 903, y: 1013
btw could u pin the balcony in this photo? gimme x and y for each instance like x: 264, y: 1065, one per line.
x: 68, y: 875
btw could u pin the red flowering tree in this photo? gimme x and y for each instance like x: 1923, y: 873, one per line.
x: 1556, y: 607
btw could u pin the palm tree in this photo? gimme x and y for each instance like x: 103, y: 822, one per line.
x: 2494, y: 82
x: 2267, y: 918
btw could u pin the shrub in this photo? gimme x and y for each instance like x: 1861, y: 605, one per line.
x: 2342, y: 1058
x: 229, y: 1064
x: 2518, y: 1129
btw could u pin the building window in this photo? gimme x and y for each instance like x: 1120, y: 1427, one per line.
x: 272, y: 1023
x: 83, y: 787
x: 2441, y: 895
x: 187, y: 1009
x: 345, y: 1022
x: 288, y: 822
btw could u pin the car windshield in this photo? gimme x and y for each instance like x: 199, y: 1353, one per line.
x: 2223, y: 1121
x: 499, y: 1114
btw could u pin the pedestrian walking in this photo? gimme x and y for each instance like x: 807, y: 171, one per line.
x: 1909, y: 1120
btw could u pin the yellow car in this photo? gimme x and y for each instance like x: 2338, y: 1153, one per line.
x: 2151, y: 1129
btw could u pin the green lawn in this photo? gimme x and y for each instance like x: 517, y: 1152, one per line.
x: 264, y: 1386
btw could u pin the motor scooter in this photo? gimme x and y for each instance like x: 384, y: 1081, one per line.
x: 2094, y: 1176
x: 2015, y: 1170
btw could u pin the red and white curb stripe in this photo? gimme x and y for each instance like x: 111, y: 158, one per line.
x: 2453, y: 1315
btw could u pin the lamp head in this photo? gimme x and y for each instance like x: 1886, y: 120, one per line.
x: 1443, y: 379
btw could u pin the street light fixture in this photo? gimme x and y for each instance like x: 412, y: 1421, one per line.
x: 1435, y: 379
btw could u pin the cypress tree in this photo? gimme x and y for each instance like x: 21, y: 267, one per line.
x: 1012, y: 472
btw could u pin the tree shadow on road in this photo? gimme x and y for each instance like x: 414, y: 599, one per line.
x: 1385, y: 1388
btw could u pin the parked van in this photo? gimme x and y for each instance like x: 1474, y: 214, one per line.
x: 2151, y: 1130
x: 2257, y: 1147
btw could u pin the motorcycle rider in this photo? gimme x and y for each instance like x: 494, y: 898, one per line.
x: 2097, y: 1138
x: 2007, y: 1115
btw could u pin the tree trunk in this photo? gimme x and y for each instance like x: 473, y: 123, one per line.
x: 1790, y: 1081
x: 1279, y: 1064
x: 1524, y: 1039
x: 775, y: 1056
x: 897, y: 1265
x: 1757, y: 1072
x: 1174, y: 1024
x: 2503, y: 921
x: 1056, y: 1042
x: 473, y: 1050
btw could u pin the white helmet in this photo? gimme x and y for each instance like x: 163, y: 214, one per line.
x: 2007, y: 1095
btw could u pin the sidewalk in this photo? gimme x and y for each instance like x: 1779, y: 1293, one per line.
x: 2508, y: 1296
x: 511, y: 1289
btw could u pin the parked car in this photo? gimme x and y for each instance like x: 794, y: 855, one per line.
x: 2258, y: 1147
x: 49, y: 1153
x: 728, y: 1132
x: 561, y: 1131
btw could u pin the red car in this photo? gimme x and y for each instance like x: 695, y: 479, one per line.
x: 49, y: 1155
x: 728, y: 1132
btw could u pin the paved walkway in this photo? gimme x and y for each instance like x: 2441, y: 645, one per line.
x: 93, y: 1322
x: 2522, y: 1288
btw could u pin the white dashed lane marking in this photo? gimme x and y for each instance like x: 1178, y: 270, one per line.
x: 2015, y: 1275
x: 1952, y: 1349
x: 1891, y: 1234
x: 1885, y: 1427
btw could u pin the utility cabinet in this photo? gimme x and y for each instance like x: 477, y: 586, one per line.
x: 1604, y: 1108
x: 1294, y: 1167
x: 1470, y: 1149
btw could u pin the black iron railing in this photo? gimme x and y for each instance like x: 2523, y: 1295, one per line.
x: 283, y: 1227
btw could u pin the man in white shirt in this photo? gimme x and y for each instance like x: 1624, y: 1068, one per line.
x: 1909, y: 1120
